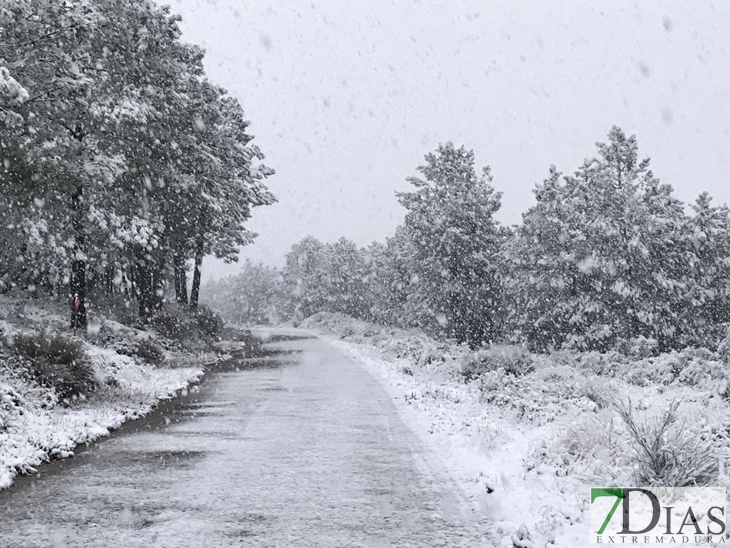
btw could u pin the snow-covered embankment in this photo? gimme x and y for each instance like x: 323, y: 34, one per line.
x: 35, y: 426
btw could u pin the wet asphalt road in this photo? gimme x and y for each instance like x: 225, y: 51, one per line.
x: 307, y: 451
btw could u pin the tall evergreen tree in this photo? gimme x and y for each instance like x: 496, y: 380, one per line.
x: 600, y: 259
x: 707, y: 311
x: 455, y: 287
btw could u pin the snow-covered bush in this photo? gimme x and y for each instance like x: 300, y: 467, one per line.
x: 10, y: 402
x: 175, y: 324
x: 209, y: 322
x: 652, y: 371
x: 668, y: 452
x: 144, y: 348
x: 597, y: 439
x: 150, y: 352
x: 514, y: 360
x: 55, y: 361
x: 724, y: 347
x: 183, y: 327
x: 639, y: 347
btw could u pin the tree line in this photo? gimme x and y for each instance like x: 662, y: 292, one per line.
x: 122, y: 165
x: 607, y: 257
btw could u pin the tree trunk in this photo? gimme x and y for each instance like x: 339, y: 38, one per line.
x: 158, y: 283
x: 132, y: 288
x: 181, y: 280
x: 195, y: 289
x: 109, y: 281
x: 78, y: 264
x: 142, y: 283
x: 145, y: 288
x: 176, y: 278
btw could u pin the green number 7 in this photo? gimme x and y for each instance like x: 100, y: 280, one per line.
x: 607, y: 492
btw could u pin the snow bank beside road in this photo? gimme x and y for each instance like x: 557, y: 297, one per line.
x: 527, y: 447
x: 35, y: 426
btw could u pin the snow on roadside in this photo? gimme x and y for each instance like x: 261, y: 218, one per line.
x: 35, y: 427
x: 477, y: 447
x: 526, y: 449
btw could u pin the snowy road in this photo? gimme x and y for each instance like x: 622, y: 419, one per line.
x: 308, y: 453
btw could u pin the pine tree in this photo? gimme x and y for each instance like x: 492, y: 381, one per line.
x: 455, y: 287
x: 707, y: 310
x: 600, y: 259
x: 388, y: 279
x: 304, y: 278
x: 346, y: 287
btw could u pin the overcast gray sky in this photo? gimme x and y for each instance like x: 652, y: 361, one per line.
x: 345, y: 97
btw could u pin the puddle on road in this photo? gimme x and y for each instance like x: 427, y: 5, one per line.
x: 212, y: 404
x: 160, y: 458
x: 273, y: 389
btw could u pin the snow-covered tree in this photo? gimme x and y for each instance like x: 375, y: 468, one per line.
x: 346, y: 279
x: 707, y: 311
x: 388, y: 279
x: 304, y: 278
x: 601, y: 257
x: 252, y: 297
x: 122, y: 162
x: 454, y: 283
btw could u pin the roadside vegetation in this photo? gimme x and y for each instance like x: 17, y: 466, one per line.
x: 527, y: 434
x: 53, y: 361
x: 121, y: 167
x: 608, y: 259
x: 58, y: 389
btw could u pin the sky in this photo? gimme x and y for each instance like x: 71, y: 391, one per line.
x: 345, y: 97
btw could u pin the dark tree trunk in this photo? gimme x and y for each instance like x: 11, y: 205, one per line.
x: 144, y: 275
x: 158, y: 283
x: 181, y: 280
x: 143, y: 291
x: 132, y: 281
x: 176, y: 277
x: 78, y: 264
x: 195, y: 289
x: 108, y: 281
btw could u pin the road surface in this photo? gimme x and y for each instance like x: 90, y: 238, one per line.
x: 308, y: 452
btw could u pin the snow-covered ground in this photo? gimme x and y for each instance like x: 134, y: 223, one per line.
x: 527, y: 447
x: 35, y: 426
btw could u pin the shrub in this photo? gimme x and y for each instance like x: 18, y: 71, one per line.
x: 121, y: 311
x: 56, y: 361
x: 594, y: 438
x: 514, y: 360
x: 665, y: 452
x: 638, y: 347
x: 174, y: 323
x: 596, y: 390
x: 209, y: 322
x: 149, y: 352
x: 723, y: 348
x: 144, y: 349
